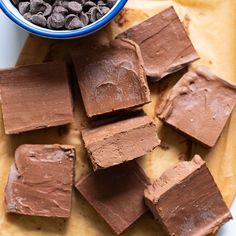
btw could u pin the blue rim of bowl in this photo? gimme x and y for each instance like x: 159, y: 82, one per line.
x: 66, y: 33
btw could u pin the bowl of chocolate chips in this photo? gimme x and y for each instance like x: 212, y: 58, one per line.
x: 61, y: 18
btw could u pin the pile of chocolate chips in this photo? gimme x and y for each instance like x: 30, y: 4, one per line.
x: 63, y: 14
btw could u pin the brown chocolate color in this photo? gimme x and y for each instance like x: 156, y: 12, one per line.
x: 114, y: 143
x: 111, y: 78
x: 116, y: 194
x: 35, y: 97
x: 164, y: 44
x: 186, y: 200
x: 199, y: 105
x: 40, y: 182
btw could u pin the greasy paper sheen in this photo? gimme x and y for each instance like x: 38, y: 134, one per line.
x: 212, y: 28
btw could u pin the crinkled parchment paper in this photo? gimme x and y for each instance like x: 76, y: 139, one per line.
x: 212, y: 28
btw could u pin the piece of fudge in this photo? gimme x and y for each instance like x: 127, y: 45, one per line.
x: 186, y: 200
x: 116, y: 194
x: 164, y: 44
x: 40, y: 181
x: 111, y: 78
x: 199, y: 105
x: 35, y: 97
x: 114, y: 143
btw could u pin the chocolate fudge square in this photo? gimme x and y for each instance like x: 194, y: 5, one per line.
x: 40, y: 181
x: 111, y: 78
x: 35, y: 97
x: 186, y: 200
x: 199, y: 105
x: 121, y: 141
x: 164, y: 44
x: 116, y: 194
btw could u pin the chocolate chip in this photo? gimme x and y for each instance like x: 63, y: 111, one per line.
x: 101, y: 4
x: 15, y: 2
x: 37, y: 6
x: 73, y: 22
x: 84, y: 18
x: 111, y: 3
x: 48, y: 9
x: 88, y: 5
x: 58, y: 3
x: 92, y: 14
x: 39, y: 20
x: 56, y: 21
x: 99, y: 15
x: 28, y: 16
x: 65, y: 4
x: 61, y: 10
x: 105, y: 10
x: 102, y: 11
x: 74, y: 7
x: 24, y: 7
x: 82, y: 2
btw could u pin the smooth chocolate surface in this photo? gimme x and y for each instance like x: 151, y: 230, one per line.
x: 111, y: 77
x: 40, y: 182
x: 186, y: 200
x: 35, y: 97
x: 199, y: 105
x: 116, y: 194
x: 121, y: 141
x: 164, y: 44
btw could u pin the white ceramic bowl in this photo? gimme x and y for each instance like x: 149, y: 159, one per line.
x: 11, y: 11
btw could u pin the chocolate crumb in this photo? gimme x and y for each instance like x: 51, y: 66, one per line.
x: 187, y: 155
x: 164, y: 146
x: 121, y: 19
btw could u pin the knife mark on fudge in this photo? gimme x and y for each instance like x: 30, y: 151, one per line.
x: 40, y: 181
x: 199, y: 105
x: 116, y: 194
x: 114, y: 143
x: 111, y: 77
x: 35, y: 97
x: 164, y: 44
x: 186, y: 200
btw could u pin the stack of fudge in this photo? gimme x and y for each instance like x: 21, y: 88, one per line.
x: 113, y: 84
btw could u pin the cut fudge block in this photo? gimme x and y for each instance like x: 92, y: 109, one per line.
x: 121, y: 141
x: 35, y: 97
x: 111, y: 78
x: 186, y: 200
x: 116, y: 194
x: 164, y: 44
x: 199, y: 105
x: 41, y: 180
